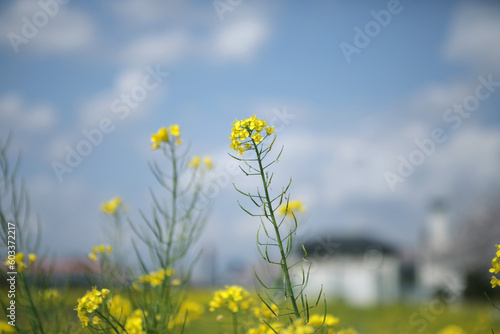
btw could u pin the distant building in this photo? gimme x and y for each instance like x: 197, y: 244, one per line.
x: 437, y: 268
x: 359, y: 271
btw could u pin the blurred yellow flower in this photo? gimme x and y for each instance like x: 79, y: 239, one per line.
x: 120, y: 307
x: 208, y: 162
x: 316, y: 320
x: 195, y: 162
x: 174, y: 130
x: 6, y: 328
x: 156, y: 278
x: 234, y: 297
x: 133, y: 325
x: 18, y: 261
x: 49, y: 296
x: 452, y: 329
x: 111, y: 206
x: 265, y: 312
x: 495, y: 264
x: 293, y: 206
x: 157, y: 138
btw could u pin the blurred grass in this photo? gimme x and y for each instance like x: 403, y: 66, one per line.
x: 399, y: 318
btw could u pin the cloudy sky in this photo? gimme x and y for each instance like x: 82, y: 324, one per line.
x: 381, y: 107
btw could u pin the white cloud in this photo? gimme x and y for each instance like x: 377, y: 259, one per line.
x: 168, y: 47
x: 62, y: 30
x: 16, y: 113
x: 239, y: 40
x: 474, y: 36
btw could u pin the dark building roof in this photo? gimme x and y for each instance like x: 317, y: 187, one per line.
x: 329, y: 246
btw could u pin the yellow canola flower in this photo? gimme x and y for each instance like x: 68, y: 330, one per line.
x: 189, y: 310
x: 265, y: 329
x: 120, y: 307
x: 159, y: 137
x: 19, y: 261
x: 89, y: 304
x: 156, y: 278
x: 208, y: 162
x: 265, y: 312
x: 195, y: 162
x: 248, y: 131
x: 111, y: 206
x: 347, y: 331
x: 293, y: 206
x: 234, y: 297
x: 316, y: 320
x: 495, y: 268
x: 6, y: 328
x: 175, y: 130
x: 49, y: 296
x: 452, y: 329
x: 298, y: 327
x: 133, y: 325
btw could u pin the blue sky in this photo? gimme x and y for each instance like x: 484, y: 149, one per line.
x: 349, y: 120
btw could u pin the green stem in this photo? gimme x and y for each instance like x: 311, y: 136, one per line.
x: 284, y: 265
x: 235, y: 323
x: 32, y: 305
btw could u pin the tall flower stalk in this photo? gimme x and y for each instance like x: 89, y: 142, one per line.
x: 250, y: 137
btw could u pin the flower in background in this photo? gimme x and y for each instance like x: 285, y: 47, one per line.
x: 452, y: 329
x: 175, y: 130
x: 101, y: 249
x: 49, y: 296
x: 195, y: 162
x: 208, y: 162
x: 234, y: 297
x: 159, y: 137
x: 248, y: 128
x: 293, y: 206
x: 156, y: 278
x: 111, y: 206
x: 188, y: 311
x: 327, y: 320
x: 6, y: 328
x: 89, y: 303
x: 133, y: 325
x: 495, y: 268
x: 18, y: 261
x: 265, y: 312
x: 120, y: 307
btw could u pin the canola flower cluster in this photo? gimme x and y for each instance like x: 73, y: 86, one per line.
x: 19, y: 263
x: 195, y: 162
x: 156, y: 278
x: 234, y: 297
x: 134, y: 323
x: 49, y: 296
x: 89, y: 303
x: 452, y: 329
x: 101, y: 249
x: 246, y: 131
x: 316, y: 321
x: 495, y: 268
x: 111, y: 206
x: 293, y: 206
x: 162, y: 136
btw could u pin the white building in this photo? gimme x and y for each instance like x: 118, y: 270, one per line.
x: 358, y: 271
